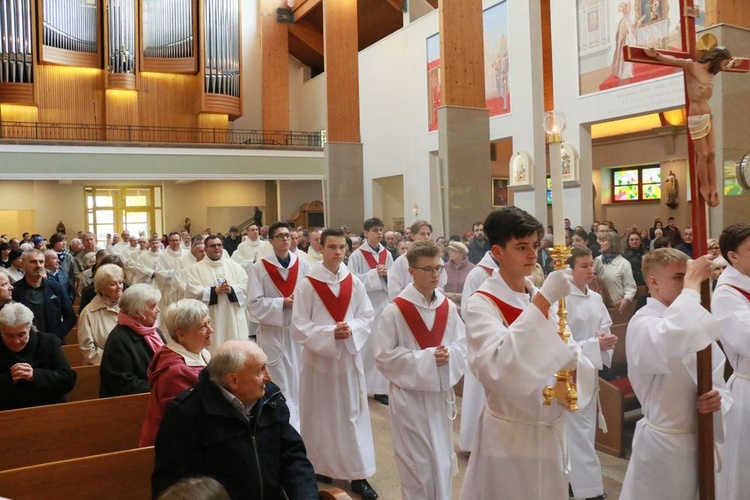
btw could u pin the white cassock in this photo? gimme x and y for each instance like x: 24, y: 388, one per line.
x: 314, y: 257
x: 250, y: 251
x: 422, y: 402
x: 587, y: 315
x: 334, y: 416
x: 473, y: 399
x: 399, y: 277
x: 227, y: 316
x: 145, y: 268
x: 377, y: 292
x: 130, y: 259
x: 178, y: 286
x: 266, y: 303
x: 661, y: 349
x: 119, y: 247
x: 302, y: 255
x: 166, y: 266
x: 519, y: 449
x: 732, y: 310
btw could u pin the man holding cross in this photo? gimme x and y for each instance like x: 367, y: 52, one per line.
x: 699, y: 80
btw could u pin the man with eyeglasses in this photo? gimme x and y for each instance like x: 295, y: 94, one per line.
x: 331, y: 318
x: 221, y: 284
x: 421, y: 349
x: 33, y: 368
x: 398, y: 274
x: 269, y: 300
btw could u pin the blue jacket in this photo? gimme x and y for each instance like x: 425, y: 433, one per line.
x: 58, y: 310
x: 202, y: 434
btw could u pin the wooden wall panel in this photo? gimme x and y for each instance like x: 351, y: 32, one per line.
x: 549, y: 92
x: 122, y: 109
x: 214, y: 128
x: 736, y: 12
x: 462, y: 53
x: 15, y: 113
x: 274, y: 68
x: 168, y: 101
x: 70, y: 95
x: 342, y: 69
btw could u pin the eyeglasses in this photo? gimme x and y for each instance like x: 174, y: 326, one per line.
x: 430, y: 270
x: 282, y: 236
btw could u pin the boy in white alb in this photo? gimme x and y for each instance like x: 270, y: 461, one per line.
x: 514, y: 350
x: 270, y: 297
x: 398, y: 274
x: 730, y: 305
x: 370, y: 263
x: 331, y: 318
x: 589, y: 322
x: 421, y: 349
x: 663, y: 339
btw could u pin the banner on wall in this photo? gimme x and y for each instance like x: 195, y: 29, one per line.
x: 606, y: 26
x: 496, y: 66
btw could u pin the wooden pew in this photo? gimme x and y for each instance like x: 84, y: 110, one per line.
x: 33, y: 436
x: 72, y: 337
x: 123, y: 474
x: 617, y: 398
x: 87, y: 383
x: 73, y: 354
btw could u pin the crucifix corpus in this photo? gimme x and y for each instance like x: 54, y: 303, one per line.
x: 699, y: 65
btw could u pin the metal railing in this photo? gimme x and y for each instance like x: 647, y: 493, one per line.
x: 63, y: 132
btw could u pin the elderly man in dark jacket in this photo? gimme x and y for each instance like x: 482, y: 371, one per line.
x: 234, y: 426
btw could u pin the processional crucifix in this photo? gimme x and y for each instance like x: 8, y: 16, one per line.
x: 698, y: 79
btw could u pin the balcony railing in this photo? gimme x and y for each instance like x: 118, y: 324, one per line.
x: 68, y: 132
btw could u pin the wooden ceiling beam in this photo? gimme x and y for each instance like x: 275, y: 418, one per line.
x: 303, y: 7
x: 309, y: 35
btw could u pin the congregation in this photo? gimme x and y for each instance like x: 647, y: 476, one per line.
x: 400, y: 316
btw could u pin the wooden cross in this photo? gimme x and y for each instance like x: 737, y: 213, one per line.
x: 688, y: 13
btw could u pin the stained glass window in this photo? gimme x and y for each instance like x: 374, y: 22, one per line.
x: 636, y: 184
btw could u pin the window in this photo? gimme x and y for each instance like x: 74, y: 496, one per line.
x: 110, y: 210
x: 636, y: 184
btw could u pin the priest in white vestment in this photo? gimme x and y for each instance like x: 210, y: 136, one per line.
x: 221, y: 284
x: 251, y: 250
x: 179, y: 284
x: 664, y: 337
x: 130, y: 255
x: 331, y: 318
x: 166, y: 266
x: 398, y: 274
x: 588, y: 322
x: 421, y: 349
x: 144, y: 270
x: 314, y: 255
x: 120, y: 246
x: 514, y: 350
x: 370, y: 263
x: 730, y: 305
x: 270, y: 298
x: 473, y: 399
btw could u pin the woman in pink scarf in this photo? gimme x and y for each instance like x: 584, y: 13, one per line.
x: 176, y: 366
x: 132, y: 343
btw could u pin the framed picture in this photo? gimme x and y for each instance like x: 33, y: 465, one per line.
x: 569, y: 164
x: 521, y: 173
x: 499, y: 191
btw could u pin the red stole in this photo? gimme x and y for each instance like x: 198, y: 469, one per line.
x: 284, y: 286
x: 336, y: 306
x: 424, y: 337
x: 743, y: 292
x: 509, y: 312
x: 488, y: 269
x: 371, y: 259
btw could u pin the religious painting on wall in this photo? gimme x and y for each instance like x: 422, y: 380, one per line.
x: 520, y: 170
x: 499, y: 191
x: 434, y: 97
x: 606, y: 26
x: 496, y: 66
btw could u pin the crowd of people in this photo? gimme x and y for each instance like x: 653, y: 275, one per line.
x: 335, y: 317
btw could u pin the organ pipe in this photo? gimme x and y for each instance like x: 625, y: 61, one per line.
x: 222, y: 47
x: 121, y: 36
x: 16, y: 60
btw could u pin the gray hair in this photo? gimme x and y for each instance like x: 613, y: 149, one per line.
x: 15, y: 314
x: 28, y: 253
x: 184, y: 315
x: 105, y: 274
x: 137, y: 298
x: 89, y: 260
x: 615, y: 243
x: 230, y: 357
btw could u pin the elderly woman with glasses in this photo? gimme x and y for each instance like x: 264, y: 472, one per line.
x: 33, y: 368
x: 132, y: 343
x: 99, y: 317
x: 175, y: 367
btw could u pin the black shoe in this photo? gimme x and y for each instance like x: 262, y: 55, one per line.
x: 381, y: 398
x: 363, y: 488
x: 323, y: 479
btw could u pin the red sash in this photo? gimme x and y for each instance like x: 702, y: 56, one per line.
x: 424, y: 337
x: 510, y: 313
x: 743, y: 292
x: 284, y: 286
x: 371, y: 259
x: 336, y: 306
x: 488, y: 269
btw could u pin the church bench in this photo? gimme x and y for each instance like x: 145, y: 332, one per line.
x: 33, y: 436
x: 72, y: 337
x: 73, y: 354
x: 123, y: 474
x: 87, y: 383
